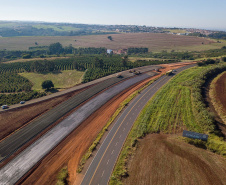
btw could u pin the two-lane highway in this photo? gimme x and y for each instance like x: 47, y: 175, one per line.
x: 103, y: 163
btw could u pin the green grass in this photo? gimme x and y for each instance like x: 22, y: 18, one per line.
x: 175, y: 30
x: 56, y: 28
x: 62, y: 177
x: 61, y: 80
x: 176, y: 106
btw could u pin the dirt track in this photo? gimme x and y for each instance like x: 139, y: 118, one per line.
x: 70, y: 151
x: 167, y: 160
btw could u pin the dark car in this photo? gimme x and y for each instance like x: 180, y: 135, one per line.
x: 22, y: 102
x: 5, y: 106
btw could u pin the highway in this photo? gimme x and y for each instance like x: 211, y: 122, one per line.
x: 17, y: 167
x: 101, y: 167
x: 19, y: 138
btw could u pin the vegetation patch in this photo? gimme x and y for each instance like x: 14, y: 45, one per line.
x: 12, y: 82
x: 61, y: 80
x: 63, y: 177
x: 178, y: 105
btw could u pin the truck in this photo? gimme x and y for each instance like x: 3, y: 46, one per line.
x: 170, y: 72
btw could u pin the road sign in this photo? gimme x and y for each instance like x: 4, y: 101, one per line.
x: 195, y: 135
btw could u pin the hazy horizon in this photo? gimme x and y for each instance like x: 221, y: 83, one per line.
x: 31, y: 21
x: 202, y: 14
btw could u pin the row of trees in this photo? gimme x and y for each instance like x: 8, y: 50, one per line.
x: 14, y: 98
x: 52, y: 49
x: 137, y: 50
x: 12, y: 82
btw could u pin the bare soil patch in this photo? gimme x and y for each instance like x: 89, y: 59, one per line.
x: 70, y: 150
x: 15, y: 119
x: 220, y: 89
x: 163, y: 159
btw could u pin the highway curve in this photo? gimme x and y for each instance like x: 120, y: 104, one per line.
x: 16, y: 168
x: 15, y: 141
x: 101, y: 167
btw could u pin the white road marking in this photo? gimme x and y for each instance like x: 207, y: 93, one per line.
x: 108, y: 162
x: 116, y: 144
x: 124, y: 129
x: 112, y: 152
x: 102, y: 174
x: 120, y: 136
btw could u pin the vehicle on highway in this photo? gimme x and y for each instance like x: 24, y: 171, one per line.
x: 22, y: 102
x: 119, y: 75
x: 170, y: 72
x: 5, y: 106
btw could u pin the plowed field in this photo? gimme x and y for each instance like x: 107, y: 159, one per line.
x: 220, y: 89
x: 162, y: 159
x: 153, y: 41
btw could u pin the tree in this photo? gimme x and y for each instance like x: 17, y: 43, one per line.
x: 56, y: 48
x: 47, y: 84
x: 124, y: 62
x: 110, y: 38
x: 99, y: 63
x: 224, y: 59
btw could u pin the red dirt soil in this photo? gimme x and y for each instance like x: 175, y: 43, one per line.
x: 72, y: 148
x: 23, y: 116
x: 163, y: 159
x: 220, y: 89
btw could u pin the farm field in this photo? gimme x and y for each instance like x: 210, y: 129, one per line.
x: 217, y: 94
x: 175, y: 30
x: 156, y: 42
x: 163, y: 159
x: 61, y: 80
x: 177, y: 106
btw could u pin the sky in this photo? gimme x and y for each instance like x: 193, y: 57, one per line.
x: 207, y: 14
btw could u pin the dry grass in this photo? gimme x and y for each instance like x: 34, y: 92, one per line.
x: 61, y: 80
x: 154, y: 41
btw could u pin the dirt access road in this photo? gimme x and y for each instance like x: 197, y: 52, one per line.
x: 70, y: 151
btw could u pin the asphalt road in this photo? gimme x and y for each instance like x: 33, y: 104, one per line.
x: 15, y: 141
x: 16, y: 168
x: 101, y: 167
x: 77, y: 87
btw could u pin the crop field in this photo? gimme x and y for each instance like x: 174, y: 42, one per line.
x: 177, y: 106
x: 61, y: 80
x: 154, y: 41
x: 175, y: 30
